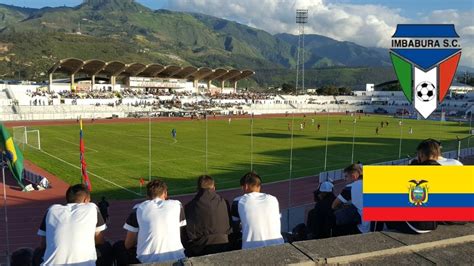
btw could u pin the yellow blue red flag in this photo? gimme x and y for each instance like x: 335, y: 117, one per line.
x: 418, y: 193
x: 85, y: 176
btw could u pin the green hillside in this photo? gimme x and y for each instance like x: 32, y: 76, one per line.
x: 324, y: 52
x: 9, y: 15
x: 31, y: 40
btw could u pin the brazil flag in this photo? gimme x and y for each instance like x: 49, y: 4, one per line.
x: 12, y: 154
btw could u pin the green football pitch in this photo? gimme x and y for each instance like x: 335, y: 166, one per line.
x: 118, y: 154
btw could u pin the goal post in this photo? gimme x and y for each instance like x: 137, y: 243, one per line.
x: 25, y: 137
x: 19, y: 136
x: 33, y: 139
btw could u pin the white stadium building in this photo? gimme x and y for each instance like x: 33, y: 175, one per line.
x: 98, y: 89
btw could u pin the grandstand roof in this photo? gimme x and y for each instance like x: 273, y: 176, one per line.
x: 72, y: 66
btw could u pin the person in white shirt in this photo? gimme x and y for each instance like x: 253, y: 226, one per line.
x: 445, y: 161
x: 257, y: 213
x: 71, y: 233
x: 430, y: 149
x: 351, y: 196
x: 154, y: 227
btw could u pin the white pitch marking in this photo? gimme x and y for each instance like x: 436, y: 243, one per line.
x: 70, y: 142
x: 98, y: 176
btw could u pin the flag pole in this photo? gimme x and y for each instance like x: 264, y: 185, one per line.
x: 291, y: 169
x: 206, y: 142
x: 401, y: 137
x: 149, y: 145
x: 353, y: 139
x: 470, y: 129
x: 251, y: 142
x: 3, y: 165
x: 327, y: 136
x: 80, y: 152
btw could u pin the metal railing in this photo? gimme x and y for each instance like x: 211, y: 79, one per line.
x: 338, y: 174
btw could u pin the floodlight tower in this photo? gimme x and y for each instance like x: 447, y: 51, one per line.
x: 301, y: 20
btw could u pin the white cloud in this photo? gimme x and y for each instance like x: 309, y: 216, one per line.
x: 368, y: 25
x: 464, y: 26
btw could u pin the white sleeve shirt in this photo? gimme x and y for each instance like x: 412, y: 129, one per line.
x: 259, y: 214
x: 158, y: 224
x: 70, y: 233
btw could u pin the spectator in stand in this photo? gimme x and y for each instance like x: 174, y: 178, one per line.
x: 430, y: 149
x: 104, y: 208
x: 257, y: 213
x: 319, y: 219
x: 444, y: 161
x: 71, y: 233
x: 208, y: 220
x: 153, y: 229
x: 349, y: 203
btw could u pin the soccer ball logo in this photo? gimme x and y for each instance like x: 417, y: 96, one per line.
x: 425, y: 91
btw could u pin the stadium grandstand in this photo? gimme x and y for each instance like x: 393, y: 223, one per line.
x: 99, y: 89
x: 239, y: 125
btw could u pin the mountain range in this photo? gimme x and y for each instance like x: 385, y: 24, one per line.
x: 31, y: 40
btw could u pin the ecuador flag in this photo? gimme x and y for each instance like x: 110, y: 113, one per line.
x: 13, y: 154
x: 418, y: 193
x: 85, y: 176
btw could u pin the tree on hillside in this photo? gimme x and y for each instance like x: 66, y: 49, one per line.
x: 287, y: 88
x: 328, y: 90
x: 344, y: 91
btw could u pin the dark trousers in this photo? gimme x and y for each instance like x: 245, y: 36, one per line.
x: 194, y: 251
x: 124, y: 256
x: 344, y: 230
x: 104, y: 255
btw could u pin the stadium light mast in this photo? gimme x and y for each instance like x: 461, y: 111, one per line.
x: 301, y: 20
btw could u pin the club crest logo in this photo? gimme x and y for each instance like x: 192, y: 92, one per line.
x: 418, y: 192
x: 425, y: 58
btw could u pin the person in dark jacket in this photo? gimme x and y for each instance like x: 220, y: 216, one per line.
x: 208, y: 221
x: 319, y: 219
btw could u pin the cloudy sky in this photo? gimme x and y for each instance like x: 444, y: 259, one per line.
x: 366, y: 22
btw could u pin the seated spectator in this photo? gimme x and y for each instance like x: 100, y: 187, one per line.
x: 153, y: 228
x: 22, y: 257
x: 319, y: 219
x: 430, y: 149
x: 258, y: 213
x: 71, y: 233
x: 207, y: 221
x: 349, y: 204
